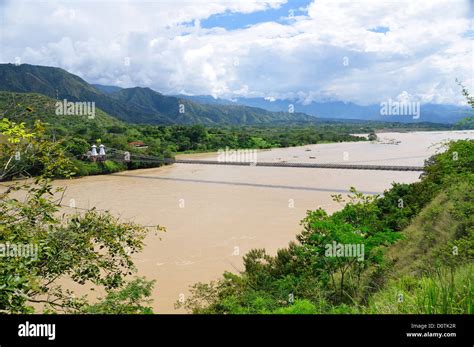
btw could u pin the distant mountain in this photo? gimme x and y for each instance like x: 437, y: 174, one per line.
x: 185, y: 111
x: 106, y: 89
x: 434, y: 113
x: 134, y: 105
x: 210, y: 100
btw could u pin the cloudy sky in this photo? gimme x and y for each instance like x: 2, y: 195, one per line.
x: 362, y: 51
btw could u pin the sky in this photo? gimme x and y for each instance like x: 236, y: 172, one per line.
x: 362, y: 51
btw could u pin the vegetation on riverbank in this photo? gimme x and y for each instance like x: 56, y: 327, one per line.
x: 40, y: 247
x: 418, y: 242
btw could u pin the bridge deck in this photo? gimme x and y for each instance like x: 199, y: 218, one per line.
x: 119, y: 155
x: 300, y: 165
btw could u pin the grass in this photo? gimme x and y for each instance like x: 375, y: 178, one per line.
x: 445, y: 292
x: 421, y: 274
x: 433, y: 228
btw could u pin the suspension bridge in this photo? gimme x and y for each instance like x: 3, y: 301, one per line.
x: 123, y: 156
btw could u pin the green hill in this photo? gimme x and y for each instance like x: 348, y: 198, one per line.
x: 41, y: 107
x: 431, y: 269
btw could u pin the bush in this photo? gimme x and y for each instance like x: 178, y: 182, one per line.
x: 84, y: 168
x: 110, y: 166
x: 298, y: 307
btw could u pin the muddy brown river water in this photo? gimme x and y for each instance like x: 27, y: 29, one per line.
x: 215, y: 214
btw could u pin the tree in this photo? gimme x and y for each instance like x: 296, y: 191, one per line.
x: 77, y: 146
x: 372, y: 136
x: 92, y: 247
x: 468, y: 121
x: 345, y: 243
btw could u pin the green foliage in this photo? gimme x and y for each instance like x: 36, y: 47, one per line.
x: 398, y: 206
x: 418, y: 239
x: 76, y: 146
x: 443, y: 292
x: 467, y: 122
x: 27, y: 153
x: 131, y: 299
x: 85, y: 168
x: 456, y: 161
x: 15, y: 133
x: 298, y: 307
x: 91, y: 247
x: 111, y: 166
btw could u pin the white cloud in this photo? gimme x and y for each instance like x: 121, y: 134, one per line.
x: 328, y: 53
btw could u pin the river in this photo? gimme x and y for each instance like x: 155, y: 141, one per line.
x: 215, y: 214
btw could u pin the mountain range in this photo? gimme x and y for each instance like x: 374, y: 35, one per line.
x: 433, y: 113
x: 134, y: 105
x: 144, y: 105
